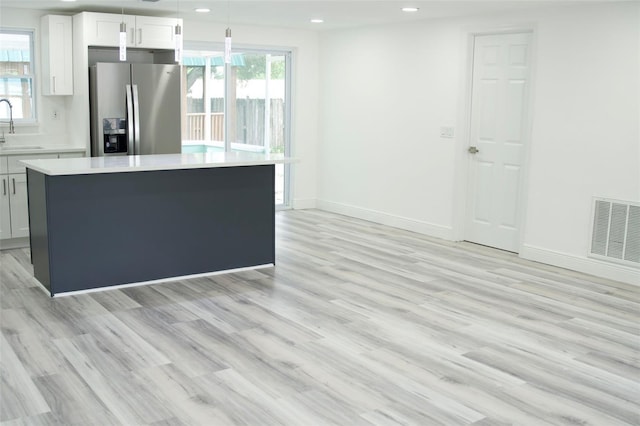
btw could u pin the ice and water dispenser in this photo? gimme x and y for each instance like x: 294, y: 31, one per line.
x: 114, y: 132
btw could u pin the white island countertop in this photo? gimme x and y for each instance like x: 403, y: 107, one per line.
x: 143, y: 163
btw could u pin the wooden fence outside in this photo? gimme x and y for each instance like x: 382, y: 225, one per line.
x: 249, y: 123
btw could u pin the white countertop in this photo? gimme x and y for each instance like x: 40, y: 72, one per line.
x: 31, y: 150
x: 142, y: 163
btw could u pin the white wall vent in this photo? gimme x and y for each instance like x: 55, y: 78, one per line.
x: 616, y: 231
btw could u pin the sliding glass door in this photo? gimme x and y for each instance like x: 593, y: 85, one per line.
x: 254, y: 90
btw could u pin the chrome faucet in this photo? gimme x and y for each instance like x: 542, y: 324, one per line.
x: 11, y: 128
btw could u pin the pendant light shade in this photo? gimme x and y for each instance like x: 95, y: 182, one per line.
x: 123, y: 41
x: 178, y: 35
x: 227, y: 46
x: 178, y: 48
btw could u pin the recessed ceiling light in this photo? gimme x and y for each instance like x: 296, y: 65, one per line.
x: 203, y: 10
x: 317, y: 21
x: 69, y: 1
x: 410, y: 9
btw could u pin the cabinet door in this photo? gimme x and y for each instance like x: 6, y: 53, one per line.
x: 18, y: 205
x: 103, y: 29
x: 152, y: 32
x: 5, y: 212
x: 57, y: 59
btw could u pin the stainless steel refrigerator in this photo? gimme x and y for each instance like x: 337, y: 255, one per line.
x: 135, y: 109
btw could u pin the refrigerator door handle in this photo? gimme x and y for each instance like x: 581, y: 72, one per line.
x: 136, y: 119
x: 130, y: 122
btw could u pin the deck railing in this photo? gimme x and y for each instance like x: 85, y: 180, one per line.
x: 196, y: 128
x: 249, y: 124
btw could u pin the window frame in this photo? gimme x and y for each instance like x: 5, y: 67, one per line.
x: 31, y: 32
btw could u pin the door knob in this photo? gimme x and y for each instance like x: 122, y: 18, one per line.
x: 473, y: 150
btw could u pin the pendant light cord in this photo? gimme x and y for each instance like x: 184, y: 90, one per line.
x: 227, y: 36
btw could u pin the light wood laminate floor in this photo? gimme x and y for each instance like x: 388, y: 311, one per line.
x: 358, y: 324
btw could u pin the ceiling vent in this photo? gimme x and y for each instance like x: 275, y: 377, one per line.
x: 616, y: 231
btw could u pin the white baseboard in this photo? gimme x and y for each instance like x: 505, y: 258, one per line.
x: 421, y: 227
x: 13, y: 243
x: 304, y: 203
x: 586, y: 265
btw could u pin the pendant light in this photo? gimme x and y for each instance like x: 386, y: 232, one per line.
x: 123, y: 39
x: 227, y: 36
x: 178, y: 35
x: 227, y: 46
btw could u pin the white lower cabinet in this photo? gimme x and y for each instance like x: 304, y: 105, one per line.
x: 14, y: 222
x: 17, y: 188
x: 14, y: 211
x: 5, y: 209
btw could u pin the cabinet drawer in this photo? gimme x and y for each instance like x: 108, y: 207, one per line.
x: 71, y: 155
x: 4, y: 166
x: 15, y: 166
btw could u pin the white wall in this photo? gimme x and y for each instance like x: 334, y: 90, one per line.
x: 387, y: 90
x: 385, y: 94
x: 48, y: 130
x: 586, y: 139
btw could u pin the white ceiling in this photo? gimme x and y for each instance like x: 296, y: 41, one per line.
x: 296, y: 13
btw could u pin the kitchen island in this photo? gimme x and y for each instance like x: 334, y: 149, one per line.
x: 108, y: 221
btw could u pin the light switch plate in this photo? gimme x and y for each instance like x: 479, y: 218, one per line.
x: 446, y: 132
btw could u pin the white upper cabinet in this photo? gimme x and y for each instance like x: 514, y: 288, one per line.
x: 156, y: 32
x: 57, y: 54
x: 103, y: 29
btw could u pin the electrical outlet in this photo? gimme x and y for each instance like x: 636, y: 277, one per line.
x: 446, y: 132
x: 54, y: 114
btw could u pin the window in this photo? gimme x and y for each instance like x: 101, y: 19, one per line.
x: 204, y: 98
x: 257, y: 98
x: 17, y: 75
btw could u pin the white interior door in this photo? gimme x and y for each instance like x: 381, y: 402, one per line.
x: 498, y: 133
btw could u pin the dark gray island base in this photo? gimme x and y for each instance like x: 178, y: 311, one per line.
x: 105, y: 229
